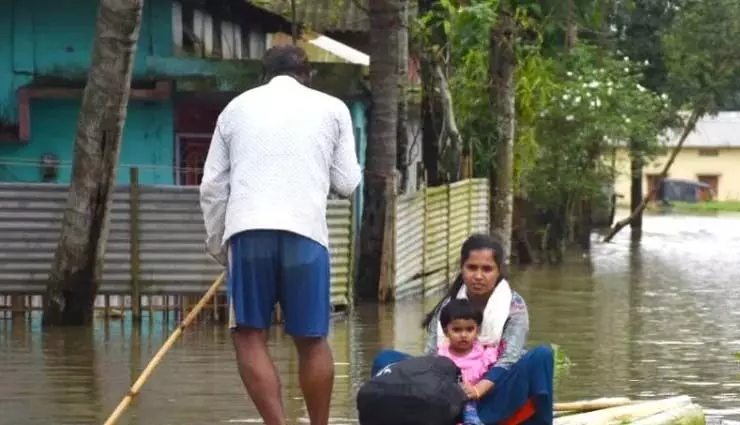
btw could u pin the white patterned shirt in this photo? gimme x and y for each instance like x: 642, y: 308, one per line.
x: 276, y: 152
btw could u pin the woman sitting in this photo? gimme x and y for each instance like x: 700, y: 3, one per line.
x: 518, y: 387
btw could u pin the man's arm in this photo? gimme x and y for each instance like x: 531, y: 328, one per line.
x: 214, y: 193
x: 345, y: 171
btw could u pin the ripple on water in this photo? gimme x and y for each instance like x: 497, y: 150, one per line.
x: 648, y: 322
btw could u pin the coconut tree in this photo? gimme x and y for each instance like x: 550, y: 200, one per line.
x: 380, y: 170
x: 78, y: 261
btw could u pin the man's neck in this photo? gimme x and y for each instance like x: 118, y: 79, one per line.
x: 285, y: 78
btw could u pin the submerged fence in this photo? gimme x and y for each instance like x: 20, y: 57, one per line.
x: 156, y: 244
x: 430, y: 227
x: 155, y: 247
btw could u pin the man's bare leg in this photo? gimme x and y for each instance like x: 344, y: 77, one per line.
x: 258, y: 373
x: 316, y: 370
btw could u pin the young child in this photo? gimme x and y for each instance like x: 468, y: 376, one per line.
x: 461, y: 325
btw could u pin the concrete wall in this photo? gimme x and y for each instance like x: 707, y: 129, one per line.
x: 147, y: 142
x: 688, y: 165
x: 42, y: 37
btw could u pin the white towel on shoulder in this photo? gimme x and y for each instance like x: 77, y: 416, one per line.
x: 494, y: 315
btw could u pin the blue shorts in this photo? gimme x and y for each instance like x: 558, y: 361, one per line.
x: 271, y: 266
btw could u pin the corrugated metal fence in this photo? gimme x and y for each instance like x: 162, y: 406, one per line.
x: 431, y: 225
x: 170, y: 257
x: 167, y: 257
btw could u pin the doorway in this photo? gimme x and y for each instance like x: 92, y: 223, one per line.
x: 712, y: 180
x: 192, y: 149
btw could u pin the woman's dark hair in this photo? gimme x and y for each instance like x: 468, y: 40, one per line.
x: 459, y: 309
x: 474, y: 242
x: 286, y: 59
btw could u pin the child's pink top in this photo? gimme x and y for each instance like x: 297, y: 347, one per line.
x: 473, y: 365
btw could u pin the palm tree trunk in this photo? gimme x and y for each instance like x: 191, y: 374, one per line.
x: 379, y: 177
x: 78, y: 260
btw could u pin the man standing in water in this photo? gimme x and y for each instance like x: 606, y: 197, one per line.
x: 276, y: 152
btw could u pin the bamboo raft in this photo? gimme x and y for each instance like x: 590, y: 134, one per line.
x: 617, y: 411
x: 604, y: 411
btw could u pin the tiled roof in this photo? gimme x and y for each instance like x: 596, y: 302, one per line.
x: 720, y: 131
x: 322, y: 15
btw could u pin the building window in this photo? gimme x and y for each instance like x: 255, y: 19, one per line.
x: 184, y: 37
x: 708, y: 152
x: 257, y: 43
x: 712, y: 180
x: 177, y: 29
x: 203, y: 30
x: 196, y: 32
x: 231, y: 40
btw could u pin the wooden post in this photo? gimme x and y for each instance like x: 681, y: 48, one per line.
x: 471, y: 186
x: 134, y: 200
x: 394, y: 233
x: 488, y: 188
x: 425, y: 224
x: 448, y: 237
x: 387, y: 274
x: 352, y: 248
x: 17, y: 306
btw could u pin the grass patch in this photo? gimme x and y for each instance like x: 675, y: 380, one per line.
x: 707, y: 207
x: 697, y: 418
x: 561, y: 360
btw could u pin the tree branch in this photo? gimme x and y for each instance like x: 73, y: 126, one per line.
x: 690, y: 125
x: 447, y: 107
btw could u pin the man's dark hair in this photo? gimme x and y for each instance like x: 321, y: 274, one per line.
x: 287, y: 60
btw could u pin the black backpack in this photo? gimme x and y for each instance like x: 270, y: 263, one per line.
x: 416, y: 391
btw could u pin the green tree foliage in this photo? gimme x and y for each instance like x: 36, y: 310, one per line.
x: 572, y: 107
x: 639, y: 25
x: 634, y: 66
x: 597, y: 105
x: 701, y: 55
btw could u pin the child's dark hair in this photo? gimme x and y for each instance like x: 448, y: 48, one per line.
x: 472, y: 243
x: 459, y: 309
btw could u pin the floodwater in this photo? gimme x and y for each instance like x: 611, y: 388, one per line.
x: 655, y: 320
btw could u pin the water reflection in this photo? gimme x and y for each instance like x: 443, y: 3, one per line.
x: 645, y: 320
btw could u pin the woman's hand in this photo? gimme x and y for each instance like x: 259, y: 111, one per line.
x: 470, y: 391
x: 482, y: 388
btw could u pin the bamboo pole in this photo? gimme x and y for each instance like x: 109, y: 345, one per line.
x: 624, y: 414
x: 136, y: 387
x: 688, y: 414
